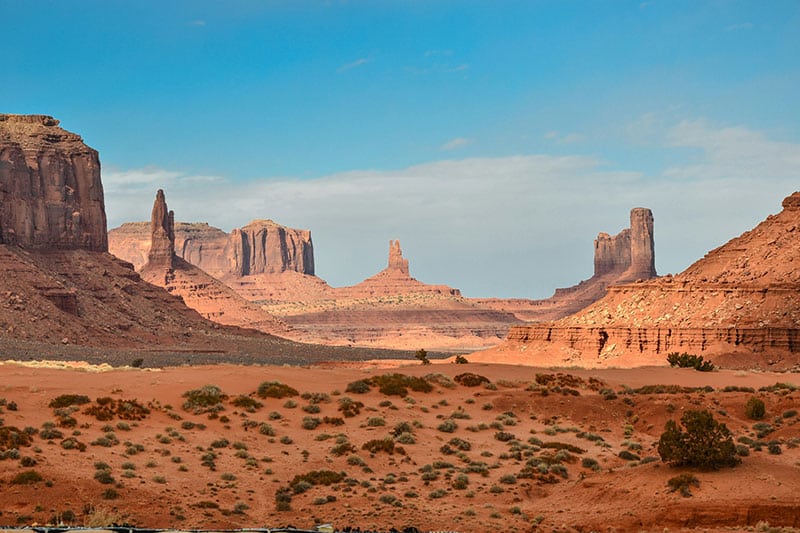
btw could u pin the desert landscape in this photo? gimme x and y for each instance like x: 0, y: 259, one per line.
x: 213, y: 368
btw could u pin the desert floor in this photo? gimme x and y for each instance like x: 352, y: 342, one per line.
x: 522, y: 452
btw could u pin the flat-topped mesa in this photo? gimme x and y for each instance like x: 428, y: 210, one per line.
x: 396, y: 260
x: 631, y: 253
x: 51, y: 196
x: 162, y: 231
x: 263, y: 246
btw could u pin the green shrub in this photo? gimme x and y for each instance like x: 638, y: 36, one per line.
x: 422, y: 356
x: 207, y: 398
x: 67, y: 400
x: 683, y: 483
x: 468, y: 379
x: 247, y: 403
x: 398, y: 384
x: 358, y: 387
x: 685, y: 360
x: 460, y: 360
x: 29, y: 477
x: 448, y: 426
x: 275, y: 389
x: 383, y: 445
x: 754, y: 408
x: 702, y: 442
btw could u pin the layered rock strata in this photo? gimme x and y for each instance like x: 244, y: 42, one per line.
x: 50, y: 190
x: 738, y: 305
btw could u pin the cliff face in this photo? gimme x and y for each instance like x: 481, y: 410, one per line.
x: 740, y: 302
x: 263, y: 246
x: 51, y: 196
x: 260, y: 247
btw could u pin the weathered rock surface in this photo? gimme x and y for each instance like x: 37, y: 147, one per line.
x: 205, y: 294
x: 739, y: 305
x: 50, y: 190
x: 261, y: 247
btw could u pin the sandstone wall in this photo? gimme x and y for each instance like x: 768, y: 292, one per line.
x: 50, y: 190
x: 266, y: 247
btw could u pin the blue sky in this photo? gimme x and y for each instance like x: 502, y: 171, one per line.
x: 493, y: 138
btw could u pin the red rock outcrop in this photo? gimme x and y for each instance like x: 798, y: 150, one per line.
x: 162, y: 235
x: 263, y: 246
x: 205, y: 294
x: 260, y: 247
x: 50, y: 190
x: 739, y: 305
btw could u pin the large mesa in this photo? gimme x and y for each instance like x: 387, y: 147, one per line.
x: 51, y: 196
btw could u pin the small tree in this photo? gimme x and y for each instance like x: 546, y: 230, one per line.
x: 702, y: 442
x: 422, y: 355
x: 754, y: 408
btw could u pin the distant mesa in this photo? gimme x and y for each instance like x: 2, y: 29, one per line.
x: 737, y: 305
x: 260, y: 247
x: 52, y: 197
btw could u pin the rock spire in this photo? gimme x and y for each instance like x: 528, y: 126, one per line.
x: 162, y: 231
x: 396, y: 260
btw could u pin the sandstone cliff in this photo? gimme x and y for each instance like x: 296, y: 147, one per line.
x: 50, y: 190
x: 739, y: 305
x: 260, y: 247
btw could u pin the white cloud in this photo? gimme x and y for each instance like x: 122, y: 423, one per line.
x: 199, y: 23
x: 505, y: 226
x: 354, y: 64
x: 458, y: 142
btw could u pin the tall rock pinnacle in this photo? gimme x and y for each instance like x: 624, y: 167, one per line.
x: 630, y: 253
x: 162, y: 230
x: 396, y: 260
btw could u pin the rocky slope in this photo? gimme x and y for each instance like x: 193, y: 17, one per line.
x: 737, y: 305
x: 50, y: 190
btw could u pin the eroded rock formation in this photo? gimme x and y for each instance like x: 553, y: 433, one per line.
x: 162, y: 234
x: 739, y: 304
x: 260, y: 247
x: 263, y: 246
x: 50, y: 190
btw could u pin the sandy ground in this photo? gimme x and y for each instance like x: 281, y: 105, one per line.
x: 176, y: 468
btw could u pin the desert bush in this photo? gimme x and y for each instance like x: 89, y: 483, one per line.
x: 563, y: 446
x: 311, y: 408
x: 588, y: 462
x: 104, y: 476
x: 383, y: 445
x: 358, y: 387
x: 67, y: 400
x: 460, y: 360
x: 468, y: 379
x: 763, y: 429
x: 349, y: 408
x: 504, y: 436
x: 398, y: 384
x: 251, y: 405
x: 28, y: 477
x: 310, y: 422
x: 683, y: 483
x: 317, y: 477
x: 774, y: 448
x: 375, y: 421
x: 702, y: 442
x: 12, y: 437
x: 71, y: 443
x: 440, y: 379
x: 628, y: 456
x: 685, y: 360
x: 342, y: 448
x: 448, y: 426
x: 276, y: 389
x: 754, y: 408
x: 316, y: 397
x: 266, y: 429
x: 283, y: 499
x: 206, y: 399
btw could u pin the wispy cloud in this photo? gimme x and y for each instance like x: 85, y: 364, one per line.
x: 198, y: 23
x: 458, y: 142
x: 354, y: 64
x: 569, y: 138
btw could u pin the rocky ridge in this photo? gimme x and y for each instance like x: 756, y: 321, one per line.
x: 738, y: 305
